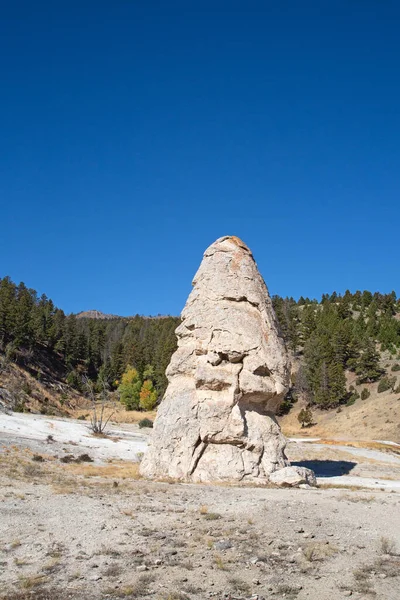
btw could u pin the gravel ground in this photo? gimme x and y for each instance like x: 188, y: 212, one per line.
x: 93, y: 530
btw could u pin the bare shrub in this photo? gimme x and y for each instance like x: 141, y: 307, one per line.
x: 238, y: 584
x: 98, y: 420
x: 388, y: 546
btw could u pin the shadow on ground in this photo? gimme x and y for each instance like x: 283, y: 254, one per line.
x: 327, y: 468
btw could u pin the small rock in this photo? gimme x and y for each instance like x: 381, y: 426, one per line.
x: 142, y: 568
x: 347, y: 593
x: 158, y: 562
x: 222, y: 545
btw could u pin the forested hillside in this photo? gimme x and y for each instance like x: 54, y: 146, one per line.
x: 340, y: 334
x: 327, y: 339
x: 33, y: 332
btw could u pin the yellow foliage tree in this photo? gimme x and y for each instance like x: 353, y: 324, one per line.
x: 148, y: 395
x: 129, y: 388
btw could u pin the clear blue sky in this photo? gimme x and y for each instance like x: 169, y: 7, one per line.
x: 135, y: 133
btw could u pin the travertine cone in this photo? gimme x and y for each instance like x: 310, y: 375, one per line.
x: 226, y: 379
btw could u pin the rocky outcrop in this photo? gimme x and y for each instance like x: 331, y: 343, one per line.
x: 7, y: 401
x: 226, y: 379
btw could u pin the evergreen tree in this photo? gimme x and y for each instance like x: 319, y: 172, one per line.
x: 367, y: 366
x: 305, y: 417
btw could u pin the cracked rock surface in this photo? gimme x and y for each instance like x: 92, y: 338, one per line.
x: 226, y: 379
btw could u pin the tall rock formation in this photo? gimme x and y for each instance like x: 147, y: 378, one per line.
x: 226, y: 379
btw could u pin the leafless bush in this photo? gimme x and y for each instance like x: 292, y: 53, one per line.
x: 388, y: 546
x: 98, y: 420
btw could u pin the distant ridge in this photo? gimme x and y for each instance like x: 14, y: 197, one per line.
x: 94, y: 314
x: 97, y: 314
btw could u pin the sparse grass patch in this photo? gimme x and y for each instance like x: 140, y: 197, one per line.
x: 109, y: 552
x: 33, y: 471
x: 38, y: 594
x: 114, y: 470
x: 52, y: 566
x: 138, y: 589
x: 146, y: 578
x: 20, y: 562
x: 288, y: 590
x: 133, y: 591
x: 388, y: 546
x: 317, y: 551
x: 119, y: 414
x: 56, y: 551
x: 388, y: 566
x: 212, y: 516
x: 363, y: 584
x: 113, y: 571
x: 32, y: 581
x: 220, y: 563
x: 351, y: 498
x: 175, y: 595
x: 239, y: 585
x: 189, y: 588
x: 146, y: 532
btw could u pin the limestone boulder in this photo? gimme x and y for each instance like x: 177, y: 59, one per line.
x: 293, y: 477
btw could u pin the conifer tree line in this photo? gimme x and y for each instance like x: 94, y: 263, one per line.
x: 103, y: 350
x: 335, y: 335
x: 329, y: 337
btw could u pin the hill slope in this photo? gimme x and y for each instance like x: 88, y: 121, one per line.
x: 343, y: 348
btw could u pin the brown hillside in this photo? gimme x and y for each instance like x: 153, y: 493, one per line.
x: 376, y: 418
